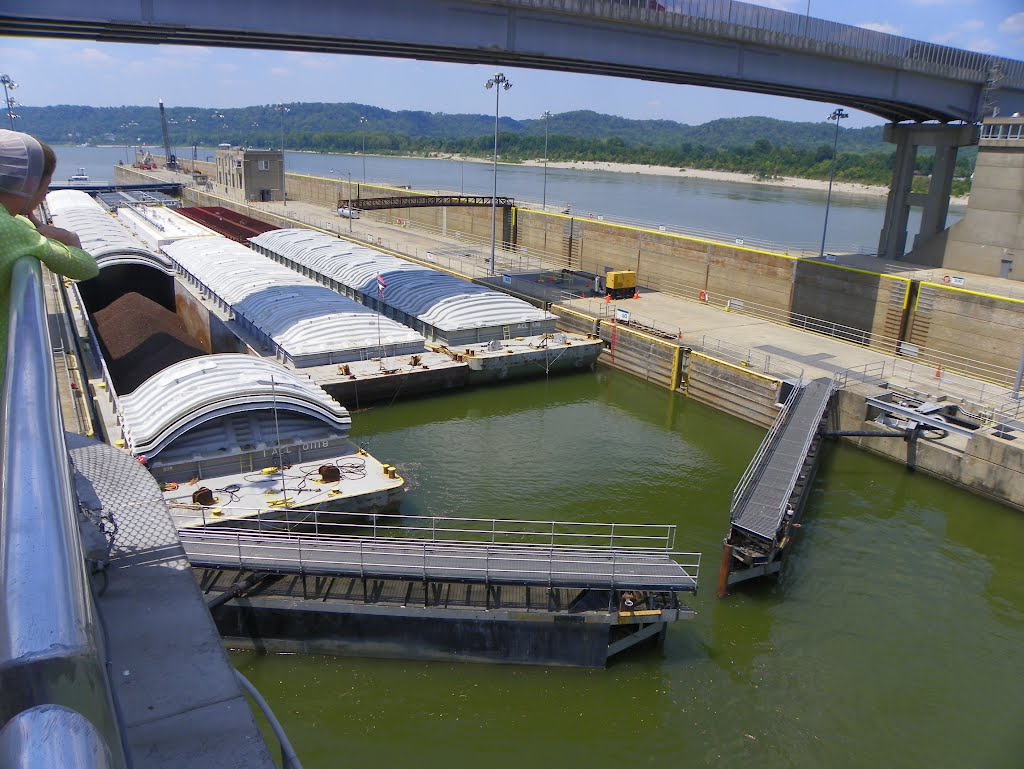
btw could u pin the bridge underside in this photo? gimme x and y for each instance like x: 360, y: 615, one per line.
x: 535, y: 37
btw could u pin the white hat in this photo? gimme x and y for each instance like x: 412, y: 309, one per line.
x: 21, y: 164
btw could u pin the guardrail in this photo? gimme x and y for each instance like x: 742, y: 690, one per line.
x: 756, y: 23
x: 294, y: 552
x: 761, y: 456
x: 49, y: 630
x: 445, y: 529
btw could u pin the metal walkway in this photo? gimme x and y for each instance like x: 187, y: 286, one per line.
x: 286, y: 552
x: 769, y: 497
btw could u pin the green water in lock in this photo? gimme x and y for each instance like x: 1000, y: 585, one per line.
x: 895, y: 637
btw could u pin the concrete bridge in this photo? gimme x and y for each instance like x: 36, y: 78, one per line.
x: 718, y: 43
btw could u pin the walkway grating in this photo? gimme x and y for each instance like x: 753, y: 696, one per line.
x: 761, y: 509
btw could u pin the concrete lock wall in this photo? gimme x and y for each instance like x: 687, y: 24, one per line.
x: 987, y: 465
x: 858, y: 299
x: 751, y: 276
x: 985, y: 328
x: 745, y: 394
x: 643, y: 355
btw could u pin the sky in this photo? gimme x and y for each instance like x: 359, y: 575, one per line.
x: 51, y: 71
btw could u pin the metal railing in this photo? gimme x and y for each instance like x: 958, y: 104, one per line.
x: 747, y: 357
x: 429, y: 561
x: 762, y: 455
x: 44, y: 642
x: 445, y: 529
x: 757, y: 24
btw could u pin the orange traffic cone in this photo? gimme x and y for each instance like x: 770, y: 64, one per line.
x: 636, y: 294
x: 608, y: 298
x: 938, y: 372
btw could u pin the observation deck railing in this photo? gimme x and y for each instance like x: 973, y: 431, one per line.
x: 49, y: 629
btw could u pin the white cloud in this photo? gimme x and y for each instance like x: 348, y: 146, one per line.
x: 960, y: 35
x: 93, y: 56
x: 882, y: 26
x: 280, y: 71
x: 780, y: 5
x: 17, y: 57
x: 982, y: 45
x: 1013, y: 25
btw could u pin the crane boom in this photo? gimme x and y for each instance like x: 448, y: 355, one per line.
x: 172, y: 162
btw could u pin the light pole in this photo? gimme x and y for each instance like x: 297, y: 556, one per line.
x: 191, y: 121
x: 836, y: 115
x: 9, y: 85
x: 362, y: 122
x: 544, y: 203
x: 284, y: 111
x: 499, y: 82
x: 284, y: 186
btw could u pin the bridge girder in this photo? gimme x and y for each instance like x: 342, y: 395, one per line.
x: 481, y: 32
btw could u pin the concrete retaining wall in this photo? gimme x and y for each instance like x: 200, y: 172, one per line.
x: 732, y: 389
x: 982, y: 464
x: 645, y: 356
x: 985, y: 328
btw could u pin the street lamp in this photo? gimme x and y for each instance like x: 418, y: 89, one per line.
x: 837, y: 115
x: 9, y: 85
x: 362, y: 122
x: 499, y: 82
x: 191, y: 121
x: 544, y: 203
x: 284, y: 111
x: 284, y: 186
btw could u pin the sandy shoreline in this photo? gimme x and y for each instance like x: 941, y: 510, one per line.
x: 847, y: 188
x: 791, y: 182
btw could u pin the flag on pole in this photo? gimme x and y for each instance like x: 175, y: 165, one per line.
x: 381, y: 285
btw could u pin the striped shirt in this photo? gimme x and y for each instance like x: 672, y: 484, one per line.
x: 18, y: 238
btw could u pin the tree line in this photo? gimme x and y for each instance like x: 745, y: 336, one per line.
x: 762, y: 147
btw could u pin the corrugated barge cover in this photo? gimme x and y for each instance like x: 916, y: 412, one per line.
x: 311, y: 324
x: 103, y: 236
x: 198, y: 390
x: 435, y: 298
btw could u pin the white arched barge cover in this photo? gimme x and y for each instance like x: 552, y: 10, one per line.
x: 103, y: 236
x: 195, y: 391
x: 436, y: 298
x: 310, y: 323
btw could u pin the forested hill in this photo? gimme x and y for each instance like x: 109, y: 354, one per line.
x: 385, y: 130
x: 760, y: 146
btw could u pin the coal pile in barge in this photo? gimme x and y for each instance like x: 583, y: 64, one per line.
x: 140, y: 338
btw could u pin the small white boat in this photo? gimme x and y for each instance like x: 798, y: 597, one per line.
x: 78, y: 176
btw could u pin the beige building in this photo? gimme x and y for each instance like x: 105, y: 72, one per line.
x: 250, y: 175
x: 989, y: 240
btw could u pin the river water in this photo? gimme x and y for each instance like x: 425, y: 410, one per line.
x: 894, y: 639
x: 758, y: 214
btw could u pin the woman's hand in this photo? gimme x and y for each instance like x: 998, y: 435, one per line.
x: 67, y: 237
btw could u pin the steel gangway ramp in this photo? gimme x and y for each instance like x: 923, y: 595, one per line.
x: 328, y: 555
x: 769, y: 497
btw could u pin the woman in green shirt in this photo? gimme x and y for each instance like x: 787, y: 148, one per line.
x: 26, y: 168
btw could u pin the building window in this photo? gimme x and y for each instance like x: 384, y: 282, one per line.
x: 262, y: 165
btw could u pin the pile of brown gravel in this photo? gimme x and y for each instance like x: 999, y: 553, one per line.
x: 140, y: 338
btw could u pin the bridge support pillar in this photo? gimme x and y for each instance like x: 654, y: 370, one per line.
x: 946, y: 139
